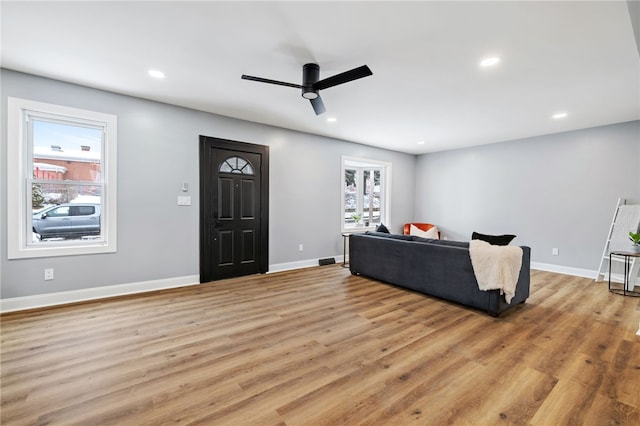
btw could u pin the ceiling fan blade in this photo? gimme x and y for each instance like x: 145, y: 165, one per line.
x: 266, y: 80
x: 344, y: 77
x: 318, y: 105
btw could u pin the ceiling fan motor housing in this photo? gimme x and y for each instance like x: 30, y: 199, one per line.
x: 310, y: 75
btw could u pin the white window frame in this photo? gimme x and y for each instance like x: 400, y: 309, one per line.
x: 20, y: 174
x: 385, y: 189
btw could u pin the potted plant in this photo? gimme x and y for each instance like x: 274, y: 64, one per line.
x: 635, y: 238
x: 357, y: 217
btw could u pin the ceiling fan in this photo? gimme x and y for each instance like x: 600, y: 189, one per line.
x: 311, y: 83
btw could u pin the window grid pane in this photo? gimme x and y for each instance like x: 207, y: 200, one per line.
x: 236, y: 165
x: 64, y: 211
x: 65, y: 151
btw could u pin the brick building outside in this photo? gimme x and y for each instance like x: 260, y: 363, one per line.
x: 55, y: 164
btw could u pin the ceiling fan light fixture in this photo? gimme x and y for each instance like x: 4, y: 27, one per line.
x: 309, y: 94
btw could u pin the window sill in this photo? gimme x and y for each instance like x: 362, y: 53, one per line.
x: 359, y: 229
x: 33, y: 251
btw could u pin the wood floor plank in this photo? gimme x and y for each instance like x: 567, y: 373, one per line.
x: 606, y: 411
x: 319, y: 346
x: 567, y: 403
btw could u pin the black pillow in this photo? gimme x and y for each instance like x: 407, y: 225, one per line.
x: 496, y: 240
x: 382, y: 228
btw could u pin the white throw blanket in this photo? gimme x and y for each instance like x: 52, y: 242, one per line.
x: 496, y: 267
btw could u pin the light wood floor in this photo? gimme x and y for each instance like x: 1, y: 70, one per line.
x: 321, y: 347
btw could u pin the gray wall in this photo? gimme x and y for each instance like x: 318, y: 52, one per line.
x: 557, y: 190
x: 552, y: 191
x: 157, y: 151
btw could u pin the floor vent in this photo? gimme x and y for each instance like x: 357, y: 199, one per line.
x: 326, y: 261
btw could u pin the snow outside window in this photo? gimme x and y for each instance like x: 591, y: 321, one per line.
x: 61, y: 180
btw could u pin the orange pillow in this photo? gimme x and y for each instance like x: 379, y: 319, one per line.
x: 431, y: 233
x: 421, y: 226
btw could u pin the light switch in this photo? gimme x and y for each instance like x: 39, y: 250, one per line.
x: 184, y: 201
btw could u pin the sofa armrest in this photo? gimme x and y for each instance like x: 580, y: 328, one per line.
x: 498, y: 304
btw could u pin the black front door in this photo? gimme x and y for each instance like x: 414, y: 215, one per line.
x: 233, y: 209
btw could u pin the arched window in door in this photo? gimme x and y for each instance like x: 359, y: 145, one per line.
x: 236, y: 165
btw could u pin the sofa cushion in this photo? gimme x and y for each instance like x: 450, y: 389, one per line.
x: 496, y: 240
x: 382, y: 228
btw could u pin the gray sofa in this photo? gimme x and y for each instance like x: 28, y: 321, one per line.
x: 437, y: 268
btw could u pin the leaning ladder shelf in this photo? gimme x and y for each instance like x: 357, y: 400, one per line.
x: 625, y: 218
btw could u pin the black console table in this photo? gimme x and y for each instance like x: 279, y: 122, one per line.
x: 628, y: 289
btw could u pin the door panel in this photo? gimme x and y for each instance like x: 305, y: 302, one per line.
x: 225, y: 198
x: 225, y: 248
x: 233, y: 209
x: 248, y: 199
x: 248, y: 246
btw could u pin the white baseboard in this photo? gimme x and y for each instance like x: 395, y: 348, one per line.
x: 288, y: 266
x: 51, y: 299
x: 568, y: 270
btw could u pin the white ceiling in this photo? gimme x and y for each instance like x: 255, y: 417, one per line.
x: 577, y: 56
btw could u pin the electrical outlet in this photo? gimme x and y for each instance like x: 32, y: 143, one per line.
x: 48, y: 274
x: 554, y: 251
x: 300, y: 247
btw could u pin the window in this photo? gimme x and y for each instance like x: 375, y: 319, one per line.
x: 365, y: 194
x: 236, y: 165
x: 61, y: 180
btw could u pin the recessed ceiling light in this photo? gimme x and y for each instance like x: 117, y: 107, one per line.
x: 156, y: 74
x: 559, y: 115
x: 489, y: 62
x: 420, y: 142
x: 331, y: 120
